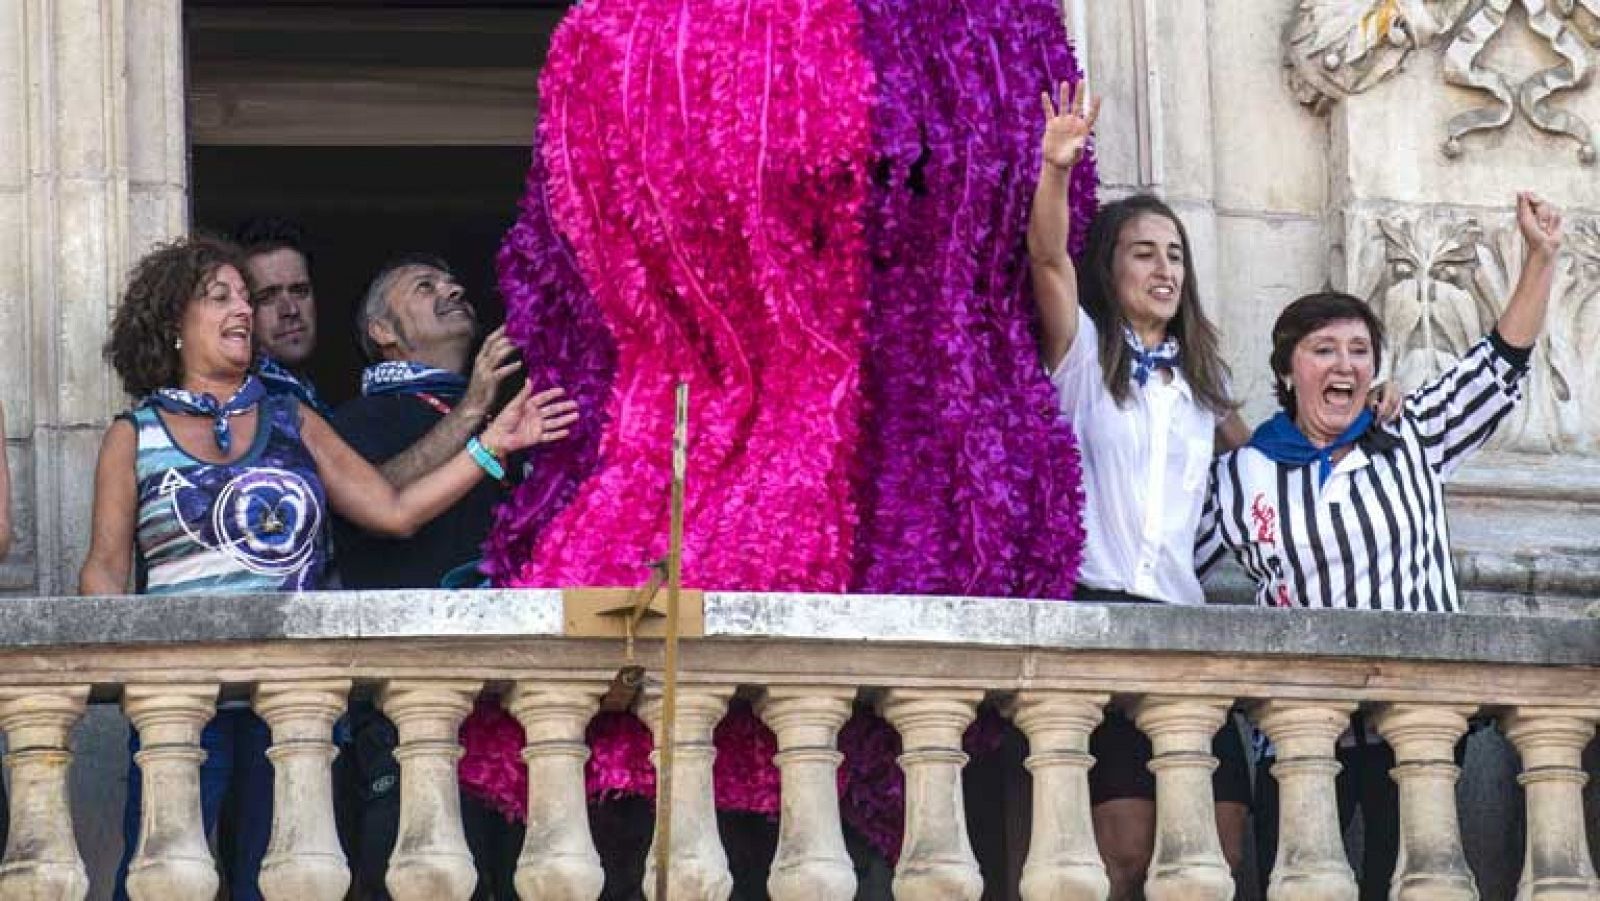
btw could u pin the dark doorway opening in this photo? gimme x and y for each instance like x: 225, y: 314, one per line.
x: 361, y: 206
x: 381, y: 127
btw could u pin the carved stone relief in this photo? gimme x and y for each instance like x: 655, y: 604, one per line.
x: 1439, y: 281
x: 1336, y: 48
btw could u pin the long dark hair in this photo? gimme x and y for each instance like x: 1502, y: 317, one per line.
x: 1202, y: 362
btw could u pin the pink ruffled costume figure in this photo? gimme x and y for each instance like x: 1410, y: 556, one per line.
x: 815, y: 217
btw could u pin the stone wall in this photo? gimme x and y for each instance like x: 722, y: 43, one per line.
x: 92, y: 174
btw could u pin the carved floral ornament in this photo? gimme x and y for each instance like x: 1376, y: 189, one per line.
x: 1341, y: 47
x: 1439, y: 280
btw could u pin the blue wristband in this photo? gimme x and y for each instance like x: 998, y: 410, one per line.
x: 485, y: 459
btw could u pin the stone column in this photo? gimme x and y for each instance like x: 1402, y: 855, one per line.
x: 811, y: 863
x: 1551, y: 742
x: 699, y: 865
x: 1187, y: 864
x: 1311, y: 864
x: 92, y: 171
x: 1063, y: 863
x: 558, y: 861
x: 936, y: 860
x: 431, y: 861
x: 1432, y: 864
x: 41, y: 861
x: 304, y: 861
x: 173, y: 861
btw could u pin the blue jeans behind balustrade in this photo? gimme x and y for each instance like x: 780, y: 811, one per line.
x: 235, y: 742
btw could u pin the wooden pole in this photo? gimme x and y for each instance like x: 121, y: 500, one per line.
x: 669, y: 694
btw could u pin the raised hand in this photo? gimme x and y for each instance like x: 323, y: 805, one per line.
x: 1540, y: 224
x: 491, y: 367
x: 531, y: 419
x: 1067, y: 127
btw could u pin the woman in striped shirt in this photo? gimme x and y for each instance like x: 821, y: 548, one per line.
x: 1326, y: 508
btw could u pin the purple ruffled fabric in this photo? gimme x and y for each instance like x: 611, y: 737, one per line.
x: 968, y: 482
x: 552, y: 315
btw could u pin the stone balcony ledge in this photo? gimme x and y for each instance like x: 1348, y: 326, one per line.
x: 76, y: 622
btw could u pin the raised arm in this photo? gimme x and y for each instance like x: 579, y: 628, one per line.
x: 1540, y: 223
x: 1055, y: 281
x: 446, y: 439
x: 116, y: 498
x: 361, y: 494
x: 1458, y: 411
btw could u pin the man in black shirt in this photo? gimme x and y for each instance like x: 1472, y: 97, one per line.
x: 416, y: 411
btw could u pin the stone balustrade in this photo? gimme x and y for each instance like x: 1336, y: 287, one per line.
x: 805, y: 660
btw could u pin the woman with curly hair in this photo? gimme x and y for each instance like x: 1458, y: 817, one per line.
x: 220, y: 487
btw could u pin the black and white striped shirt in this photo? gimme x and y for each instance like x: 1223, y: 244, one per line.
x: 1374, y: 536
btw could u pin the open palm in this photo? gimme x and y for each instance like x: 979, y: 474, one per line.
x: 1067, y: 126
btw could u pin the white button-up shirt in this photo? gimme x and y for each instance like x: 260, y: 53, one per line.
x: 1145, y: 467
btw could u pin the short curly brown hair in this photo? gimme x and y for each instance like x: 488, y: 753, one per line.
x: 145, y: 329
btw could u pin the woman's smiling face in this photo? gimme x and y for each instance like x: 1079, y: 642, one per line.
x: 217, y: 326
x: 1147, y: 272
x: 1331, y: 371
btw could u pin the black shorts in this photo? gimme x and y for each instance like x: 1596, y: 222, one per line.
x: 1122, y: 762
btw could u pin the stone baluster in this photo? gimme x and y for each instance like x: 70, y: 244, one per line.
x: 1311, y: 863
x: 431, y: 861
x: 173, y: 861
x: 1432, y: 865
x: 699, y: 870
x: 1187, y: 863
x: 936, y: 860
x: 558, y: 861
x: 1063, y: 863
x: 811, y: 863
x: 1551, y: 742
x: 304, y: 861
x: 41, y: 861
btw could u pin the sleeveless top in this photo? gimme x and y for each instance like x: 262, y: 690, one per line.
x: 256, y: 524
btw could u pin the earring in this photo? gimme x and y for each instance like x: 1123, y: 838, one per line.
x: 177, y: 343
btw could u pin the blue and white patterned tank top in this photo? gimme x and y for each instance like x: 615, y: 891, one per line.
x: 255, y: 524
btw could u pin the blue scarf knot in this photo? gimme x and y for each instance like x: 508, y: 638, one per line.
x: 177, y: 400
x: 279, y: 380
x: 1283, y: 442
x: 1145, y: 361
x: 404, y: 377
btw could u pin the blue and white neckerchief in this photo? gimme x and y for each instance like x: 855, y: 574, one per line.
x: 404, y: 377
x: 1283, y: 442
x: 279, y: 380
x: 177, y: 400
x: 1165, y: 356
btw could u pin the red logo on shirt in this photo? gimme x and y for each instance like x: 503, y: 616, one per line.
x: 1265, y: 519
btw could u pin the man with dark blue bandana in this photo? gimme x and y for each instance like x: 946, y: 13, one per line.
x: 278, y: 269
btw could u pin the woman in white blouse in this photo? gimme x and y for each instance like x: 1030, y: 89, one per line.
x: 1136, y: 364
